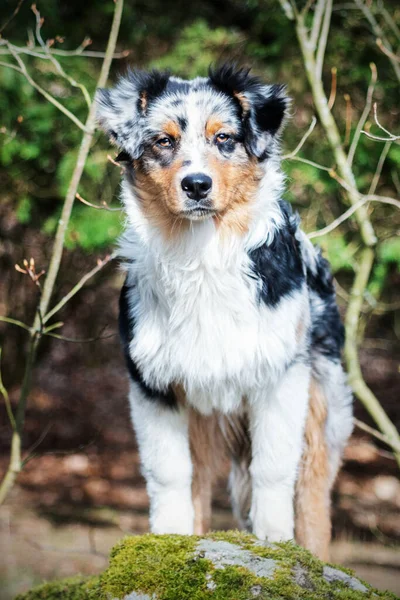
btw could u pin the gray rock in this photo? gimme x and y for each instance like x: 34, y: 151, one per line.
x: 223, y: 554
x: 302, y: 578
x: 331, y: 575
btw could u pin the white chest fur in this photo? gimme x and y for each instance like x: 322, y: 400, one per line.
x: 198, y: 322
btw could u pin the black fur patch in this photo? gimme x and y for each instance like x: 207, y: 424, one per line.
x: 126, y: 329
x: 278, y: 266
x: 327, y: 331
x: 152, y: 83
x: 267, y: 105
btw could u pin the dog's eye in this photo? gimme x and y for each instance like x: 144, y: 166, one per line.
x: 164, y: 142
x: 221, y: 138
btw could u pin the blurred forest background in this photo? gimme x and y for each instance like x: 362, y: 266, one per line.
x: 81, y: 487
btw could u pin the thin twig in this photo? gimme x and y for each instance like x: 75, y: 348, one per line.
x: 103, y: 206
x: 356, y: 379
x: 54, y: 61
x: 348, y: 119
x: 378, y: 33
x: 48, y: 287
x: 386, y: 51
x: 15, y: 322
x: 22, y: 69
x: 363, y: 200
x: 319, y: 62
x: 13, y: 14
x: 332, y: 96
x: 78, y: 286
x: 311, y: 163
x: 389, y: 19
x: 303, y: 140
x: 364, y: 115
x: 316, y: 26
x: 80, y: 340
x: 391, y: 136
x: 379, y: 167
x: 376, y: 434
x: 4, y: 393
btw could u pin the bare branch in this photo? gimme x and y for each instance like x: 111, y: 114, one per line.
x: 378, y: 172
x: 316, y: 27
x: 302, y: 141
x: 389, y: 19
x: 103, y: 206
x: 377, y: 434
x: 364, y: 115
x: 22, y: 69
x: 323, y: 38
x: 78, y: 286
x: 346, y: 215
x: 332, y: 96
x: 356, y: 380
x: 386, y: 51
x: 4, y: 393
x: 379, y: 33
x: 80, y: 340
x: 13, y: 14
x: 391, y: 136
x: 15, y: 322
x: 48, y: 287
x: 348, y: 119
x: 71, y: 80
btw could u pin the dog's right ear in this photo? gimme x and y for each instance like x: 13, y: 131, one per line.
x: 121, y: 111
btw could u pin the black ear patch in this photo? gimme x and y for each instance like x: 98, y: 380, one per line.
x: 262, y: 107
x: 121, y: 110
x: 150, y: 85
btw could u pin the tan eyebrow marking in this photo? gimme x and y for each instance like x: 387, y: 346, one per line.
x: 171, y: 128
x: 214, y: 124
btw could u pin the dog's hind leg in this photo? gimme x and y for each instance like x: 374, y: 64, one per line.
x: 313, y: 523
x: 329, y: 425
x: 236, y: 436
x: 206, y: 457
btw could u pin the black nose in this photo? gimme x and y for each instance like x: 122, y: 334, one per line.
x: 196, y: 185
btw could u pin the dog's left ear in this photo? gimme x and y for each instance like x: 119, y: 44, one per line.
x: 263, y: 107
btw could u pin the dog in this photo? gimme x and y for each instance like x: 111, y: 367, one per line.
x: 228, y: 316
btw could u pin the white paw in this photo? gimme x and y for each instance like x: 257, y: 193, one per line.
x: 172, y: 514
x: 272, y: 516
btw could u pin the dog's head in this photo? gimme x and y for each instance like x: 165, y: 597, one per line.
x: 196, y: 149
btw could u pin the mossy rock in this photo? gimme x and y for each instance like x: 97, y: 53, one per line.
x: 218, y: 566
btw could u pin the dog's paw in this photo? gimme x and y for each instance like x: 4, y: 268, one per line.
x: 172, y: 515
x: 272, y: 518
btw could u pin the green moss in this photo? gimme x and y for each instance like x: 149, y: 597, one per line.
x: 151, y: 563
x: 171, y: 568
x: 75, y: 588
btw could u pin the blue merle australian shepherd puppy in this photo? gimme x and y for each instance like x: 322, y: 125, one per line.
x: 228, y: 316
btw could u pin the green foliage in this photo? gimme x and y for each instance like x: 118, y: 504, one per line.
x: 197, y: 47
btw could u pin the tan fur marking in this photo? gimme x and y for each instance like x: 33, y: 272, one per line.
x: 213, y: 125
x: 313, y: 523
x: 243, y: 100
x: 171, y: 128
x: 159, y: 199
x: 236, y: 186
x: 143, y: 101
x: 207, y: 455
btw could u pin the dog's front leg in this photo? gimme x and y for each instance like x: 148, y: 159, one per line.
x: 163, y: 439
x: 277, y: 422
